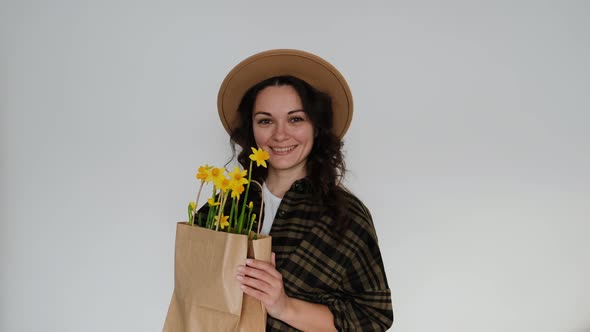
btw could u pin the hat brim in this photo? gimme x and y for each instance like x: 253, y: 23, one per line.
x: 281, y: 62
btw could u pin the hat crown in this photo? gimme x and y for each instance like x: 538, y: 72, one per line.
x: 308, y: 67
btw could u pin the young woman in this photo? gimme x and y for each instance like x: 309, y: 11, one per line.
x: 327, y: 272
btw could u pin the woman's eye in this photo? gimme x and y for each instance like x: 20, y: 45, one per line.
x: 264, y: 121
x: 297, y: 119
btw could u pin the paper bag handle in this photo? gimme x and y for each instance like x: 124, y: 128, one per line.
x: 261, y: 206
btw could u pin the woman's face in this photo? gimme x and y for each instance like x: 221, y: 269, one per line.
x: 283, y: 129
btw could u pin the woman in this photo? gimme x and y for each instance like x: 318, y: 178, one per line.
x: 327, y: 272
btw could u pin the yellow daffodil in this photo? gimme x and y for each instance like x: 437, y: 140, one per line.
x: 236, y: 190
x: 223, y: 184
x: 224, y: 221
x: 191, y: 206
x: 259, y: 156
x: 204, y: 172
x: 219, y: 179
x: 237, y: 177
x: 212, y: 202
x: 251, y: 205
x: 215, y: 174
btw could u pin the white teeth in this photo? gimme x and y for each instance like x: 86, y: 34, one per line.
x: 282, y: 150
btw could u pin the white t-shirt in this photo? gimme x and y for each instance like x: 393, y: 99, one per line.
x: 271, y: 205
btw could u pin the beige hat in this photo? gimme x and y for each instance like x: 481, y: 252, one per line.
x: 281, y: 62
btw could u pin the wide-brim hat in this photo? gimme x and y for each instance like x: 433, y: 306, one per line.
x: 314, y: 70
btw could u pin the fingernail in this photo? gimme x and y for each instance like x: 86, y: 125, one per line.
x: 239, y: 277
x: 249, y: 261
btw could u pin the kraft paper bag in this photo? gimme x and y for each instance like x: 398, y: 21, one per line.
x: 207, y: 296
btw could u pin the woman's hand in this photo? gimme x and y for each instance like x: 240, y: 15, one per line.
x: 262, y: 280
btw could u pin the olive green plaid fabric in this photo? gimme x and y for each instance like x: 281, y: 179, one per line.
x: 343, y: 270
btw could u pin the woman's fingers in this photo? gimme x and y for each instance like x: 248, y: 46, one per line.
x: 262, y: 281
x: 264, y: 276
x: 273, y: 297
x: 264, y: 266
x: 255, y: 293
x: 257, y: 284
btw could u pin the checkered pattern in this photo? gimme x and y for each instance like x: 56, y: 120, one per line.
x: 343, y: 270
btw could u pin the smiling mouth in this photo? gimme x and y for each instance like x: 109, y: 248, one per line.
x: 283, y: 149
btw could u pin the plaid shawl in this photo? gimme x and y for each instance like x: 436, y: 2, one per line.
x: 343, y: 270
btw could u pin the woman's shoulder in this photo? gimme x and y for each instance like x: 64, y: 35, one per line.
x: 353, y: 203
x: 359, y: 221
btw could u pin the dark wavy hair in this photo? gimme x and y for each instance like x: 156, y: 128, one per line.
x: 325, y: 163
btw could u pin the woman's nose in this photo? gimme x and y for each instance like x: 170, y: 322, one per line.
x: 280, y: 132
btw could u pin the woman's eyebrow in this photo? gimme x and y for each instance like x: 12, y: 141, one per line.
x: 268, y: 114
x: 295, y: 111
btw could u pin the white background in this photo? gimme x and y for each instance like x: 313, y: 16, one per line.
x: 470, y: 144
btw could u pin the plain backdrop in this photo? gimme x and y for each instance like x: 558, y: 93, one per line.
x: 470, y: 144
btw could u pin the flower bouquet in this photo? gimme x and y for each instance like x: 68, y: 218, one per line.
x: 208, y: 249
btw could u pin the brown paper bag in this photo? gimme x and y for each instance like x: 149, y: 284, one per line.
x: 207, y: 296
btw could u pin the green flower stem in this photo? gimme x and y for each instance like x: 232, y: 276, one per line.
x: 221, y: 208
x: 241, y: 221
x: 250, y: 217
x: 212, y: 212
x: 231, y: 214
x: 197, y: 201
x: 251, y: 223
x: 191, y: 216
x: 236, y: 212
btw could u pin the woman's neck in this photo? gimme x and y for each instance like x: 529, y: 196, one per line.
x: 279, y: 182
